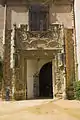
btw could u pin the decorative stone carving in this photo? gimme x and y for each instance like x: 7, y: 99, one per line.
x: 43, y: 39
x: 52, y: 44
x: 35, y: 42
x: 7, y: 58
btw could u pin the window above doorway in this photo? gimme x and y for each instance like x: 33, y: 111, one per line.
x: 38, y: 17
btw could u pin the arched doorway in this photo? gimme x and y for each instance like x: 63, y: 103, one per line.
x: 45, y: 81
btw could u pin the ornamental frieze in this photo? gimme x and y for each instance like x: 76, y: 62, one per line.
x: 39, y: 39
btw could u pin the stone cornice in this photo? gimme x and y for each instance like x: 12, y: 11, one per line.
x: 24, y: 2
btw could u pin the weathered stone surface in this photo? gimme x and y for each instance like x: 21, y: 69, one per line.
x: 44, y: 39
x: 24, y: 47
x: 70, y: 66
x: 6, y: 63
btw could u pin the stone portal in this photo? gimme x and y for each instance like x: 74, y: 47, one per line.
x: 39, y: 78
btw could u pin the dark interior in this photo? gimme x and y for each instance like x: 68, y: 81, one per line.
x: 45, y: 81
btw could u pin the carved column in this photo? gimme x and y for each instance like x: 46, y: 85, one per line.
x: 22, y: 81
x: 70, y: 63
x: 6, y: 63
x: 23, y: 85
x: 64, y: 85
x: 75, y: 41
x: 53, y: 78
x: 12, y: 59
x: 63, y: 61
x: 25, y: 78
x: 6, y: 55
x: 64, y: 72
x: 4, y: 39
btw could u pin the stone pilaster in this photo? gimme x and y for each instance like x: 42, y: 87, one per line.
x: 12, y: 60
x: 64, y: 96
x: 70, y: 63
x: 21, y: 76
x: 6, y: 64
x: 6, y: 55
x: 25, y: 78
x: 53, y: 78
x: 4, y: 40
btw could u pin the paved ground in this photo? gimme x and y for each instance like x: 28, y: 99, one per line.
x: 40, y: 110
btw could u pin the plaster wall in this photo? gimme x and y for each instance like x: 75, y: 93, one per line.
x: 62, y: 14
x: 17, y: 15
x: 31, y: 70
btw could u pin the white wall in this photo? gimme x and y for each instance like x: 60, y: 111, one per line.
x: 18, y: 15
x: 31, y: 70
x: 62, y: 14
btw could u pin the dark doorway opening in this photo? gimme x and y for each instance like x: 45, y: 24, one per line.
x: 45, y: 81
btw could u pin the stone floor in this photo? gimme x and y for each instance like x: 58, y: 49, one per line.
x: 40, y: 110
